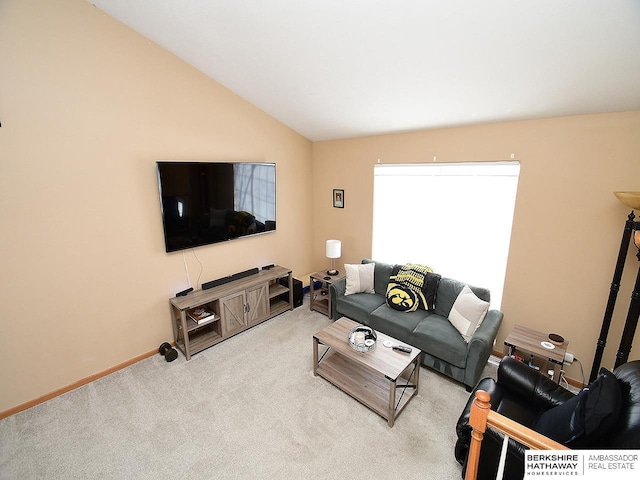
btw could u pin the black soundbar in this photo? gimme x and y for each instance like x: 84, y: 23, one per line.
x: 230, y: 278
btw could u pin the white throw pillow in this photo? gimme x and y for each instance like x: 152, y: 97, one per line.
x: 360, y: 278
x: 467, y: 313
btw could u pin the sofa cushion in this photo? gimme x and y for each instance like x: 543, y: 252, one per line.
x: 399, y: 325
x: 401, y: 297
x: 359, y: 306
x: 440, y: 339
x: 467, y: 313
x: 380, y: 276
x: 359, y: 278
x: 448, y: 291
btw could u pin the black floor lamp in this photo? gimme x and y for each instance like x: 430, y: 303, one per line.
x: 631, y: 227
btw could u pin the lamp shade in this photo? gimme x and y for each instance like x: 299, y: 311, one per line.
x: 630, y: 199
x: 334, y: 248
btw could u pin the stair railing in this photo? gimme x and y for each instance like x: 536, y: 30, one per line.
x: 482, y: 416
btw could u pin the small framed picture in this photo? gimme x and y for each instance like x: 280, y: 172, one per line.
x: 338, y: 198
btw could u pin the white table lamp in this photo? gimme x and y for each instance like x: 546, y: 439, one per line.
x: 334, y: 250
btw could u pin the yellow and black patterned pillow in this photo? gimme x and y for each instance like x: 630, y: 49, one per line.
x: 401, y: 298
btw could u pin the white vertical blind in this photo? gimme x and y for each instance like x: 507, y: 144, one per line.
x: 456, y: 218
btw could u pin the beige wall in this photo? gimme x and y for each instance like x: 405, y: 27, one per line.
x: 567, y: 225
x: 87, y: 107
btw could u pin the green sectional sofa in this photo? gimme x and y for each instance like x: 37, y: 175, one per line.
x: 444, y: 349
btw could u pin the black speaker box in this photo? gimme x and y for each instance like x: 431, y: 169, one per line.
x: 230, y: 278
x: 297, y: 292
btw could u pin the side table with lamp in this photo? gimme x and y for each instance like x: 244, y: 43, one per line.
x: 319, y: 298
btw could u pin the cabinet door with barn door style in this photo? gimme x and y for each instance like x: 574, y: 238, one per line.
x: 232, y: 312
x: 257, y: 308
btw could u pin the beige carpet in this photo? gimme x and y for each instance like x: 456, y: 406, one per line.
x: 247, y: 408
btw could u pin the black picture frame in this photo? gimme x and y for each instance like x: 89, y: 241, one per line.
x: 338, y: 198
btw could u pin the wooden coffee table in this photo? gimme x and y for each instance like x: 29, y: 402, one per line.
x: 372, y: 377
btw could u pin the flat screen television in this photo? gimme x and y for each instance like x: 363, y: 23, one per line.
x: 209, y: 202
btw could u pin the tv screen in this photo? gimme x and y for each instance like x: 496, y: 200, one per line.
x: 210, y: 202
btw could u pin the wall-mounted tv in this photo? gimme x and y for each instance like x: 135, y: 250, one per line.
x: 210, y: 202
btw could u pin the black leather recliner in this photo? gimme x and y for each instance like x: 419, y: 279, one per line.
x: 523, y: 394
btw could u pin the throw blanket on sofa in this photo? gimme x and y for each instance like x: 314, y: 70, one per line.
x: 412, y: 286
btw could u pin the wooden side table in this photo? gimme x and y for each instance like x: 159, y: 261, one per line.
x: 531, y: 346
x: 319, y: 298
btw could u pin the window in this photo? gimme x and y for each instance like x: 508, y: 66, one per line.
x: 455, y: 218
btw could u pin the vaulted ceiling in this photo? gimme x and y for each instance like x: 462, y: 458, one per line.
x: 334, y: 69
